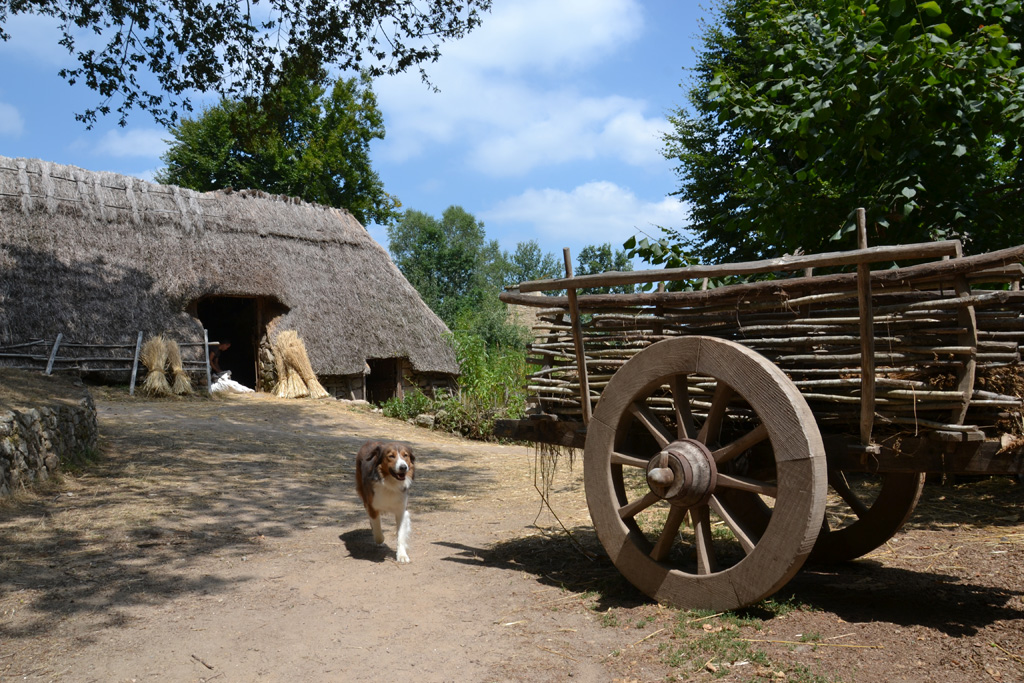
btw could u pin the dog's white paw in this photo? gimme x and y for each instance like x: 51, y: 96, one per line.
x: 403, y: 557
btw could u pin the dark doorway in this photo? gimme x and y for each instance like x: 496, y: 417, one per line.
x: 235, y: 319
x: 384, y: 380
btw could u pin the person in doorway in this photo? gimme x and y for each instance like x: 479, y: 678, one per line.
x: 216, y: 361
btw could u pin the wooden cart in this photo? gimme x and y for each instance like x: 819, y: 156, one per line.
x: 726, y: 417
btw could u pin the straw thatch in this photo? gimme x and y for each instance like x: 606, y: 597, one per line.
x: 296, y: 378
x: 99, y: 256
x: 181, y: 384
x: 154, y: 357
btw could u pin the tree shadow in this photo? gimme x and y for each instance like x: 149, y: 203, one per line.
x: 177, y: 483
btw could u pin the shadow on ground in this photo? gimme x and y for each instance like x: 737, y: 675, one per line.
x: 178, y: 482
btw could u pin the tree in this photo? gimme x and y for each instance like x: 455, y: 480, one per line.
x: 600, y: 259
x: 440, y: 258
x: 236, y: 48
x: 804, y: 110
x: 528, y: 262
x: 303, y: 138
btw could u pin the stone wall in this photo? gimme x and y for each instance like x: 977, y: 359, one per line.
x: 44, y: 422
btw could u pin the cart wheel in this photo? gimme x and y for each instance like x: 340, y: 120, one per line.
x: 704, y: 428
x: 856, y: 524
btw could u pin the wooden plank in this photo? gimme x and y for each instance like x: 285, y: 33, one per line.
x: 925, y: 250
x: 135, y: 364
x: 567, y: 433
x: 53, y: 353
x: 920, y: 454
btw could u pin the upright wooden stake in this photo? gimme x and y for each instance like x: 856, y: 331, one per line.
x: 968, y: 322
x: 53, y: 353
x: 206, y: 357
x: 135, y: 364
x: 577, y: 340
x: 867, y: 336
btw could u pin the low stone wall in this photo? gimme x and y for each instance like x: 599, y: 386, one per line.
x: 44, y: 422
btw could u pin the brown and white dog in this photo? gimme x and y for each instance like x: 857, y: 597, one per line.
x: 384, y: 473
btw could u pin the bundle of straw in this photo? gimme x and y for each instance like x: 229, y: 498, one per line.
x: 154, y: 357
x: 295, y: 375
x: 181, y: 383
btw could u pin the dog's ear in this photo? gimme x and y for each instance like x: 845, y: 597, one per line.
x: 377, y: 454
x: 412, y: 456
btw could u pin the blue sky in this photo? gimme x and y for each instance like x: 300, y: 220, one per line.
x: 547, y: 125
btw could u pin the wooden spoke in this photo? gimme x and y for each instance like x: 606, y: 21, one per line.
x: 639, y: 505
x: 837, y: 480
x: 748, y: 440
x: 875, y: 523
x: 701, y: 517
x: 775, y: 511
x: 685, y: 428
x: 747, y: 484
x: 631, y: 460
x: 676, y: 515
x: 713, y: 425
x: 651, y: 423
x: 746, y: 540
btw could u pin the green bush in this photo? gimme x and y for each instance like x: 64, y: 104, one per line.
x: 492, y: 386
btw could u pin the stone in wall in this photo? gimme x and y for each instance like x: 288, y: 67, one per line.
x: 44, y: 422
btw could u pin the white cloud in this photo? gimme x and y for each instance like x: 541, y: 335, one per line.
x: 136, y: 142
x: 593, y: 213
x: 547, y: 36
x: 505, y: 104
x: 11, y: 123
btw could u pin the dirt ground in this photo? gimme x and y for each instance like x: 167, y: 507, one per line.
x: 222, y: 540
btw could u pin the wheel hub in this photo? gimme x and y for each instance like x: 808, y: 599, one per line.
x: 683, y: 473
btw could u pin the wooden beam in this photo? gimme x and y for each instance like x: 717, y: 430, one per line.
x: 577, y: 339
x: 783, y: 289
x: 925, y: 250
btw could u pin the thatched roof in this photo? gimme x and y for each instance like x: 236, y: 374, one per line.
x: 100, y: 256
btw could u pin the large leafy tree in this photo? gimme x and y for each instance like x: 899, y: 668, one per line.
x: 441, y: 258
x: 151, y: 54
x: 305, y: 138
x: 801, y: 111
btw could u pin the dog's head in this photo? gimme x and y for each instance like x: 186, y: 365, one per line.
x: 395, y: 460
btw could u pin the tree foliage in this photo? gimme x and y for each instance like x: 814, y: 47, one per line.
x: 601, y: 258
x: 303, y: 138
x: 803, y: 110
x: 235, y: 48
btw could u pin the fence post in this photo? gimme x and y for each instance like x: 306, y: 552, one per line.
x: 206, y: 357
x: 53, y: 353
x: 135, y: 364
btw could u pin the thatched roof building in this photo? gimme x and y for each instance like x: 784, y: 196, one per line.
x: 99, y: 257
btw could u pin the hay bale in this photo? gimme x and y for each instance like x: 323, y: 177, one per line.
x: 154, y: 357
x: 180, y: 382
x: 296, y: 378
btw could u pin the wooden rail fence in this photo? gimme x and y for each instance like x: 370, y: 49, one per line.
x: 60, y: 355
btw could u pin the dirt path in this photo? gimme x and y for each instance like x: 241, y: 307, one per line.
x: 222, y: 540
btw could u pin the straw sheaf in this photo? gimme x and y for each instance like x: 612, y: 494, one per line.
x: 154, y: 356
x: 296, y: 378
x: 99, y: 256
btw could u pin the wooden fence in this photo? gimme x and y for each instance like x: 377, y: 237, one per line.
x: 60, y: 355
